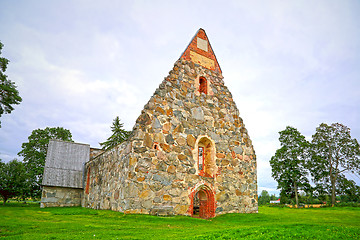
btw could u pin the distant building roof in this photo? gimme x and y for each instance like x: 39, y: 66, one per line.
x: 64, y: 165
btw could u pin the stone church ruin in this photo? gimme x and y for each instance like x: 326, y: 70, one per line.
x: 189, y: 152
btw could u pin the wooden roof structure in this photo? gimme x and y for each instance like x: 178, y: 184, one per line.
x: 64, y: 165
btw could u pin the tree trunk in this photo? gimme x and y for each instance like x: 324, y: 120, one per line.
x: 296, y: 195
x: 5, y: 199
x: 332, y: 177
x: 333, y: 194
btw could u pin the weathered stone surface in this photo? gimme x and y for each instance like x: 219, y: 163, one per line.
x: 148, y: 141
x: 223, y: 146
x: 169, y: 139
x: 162, y: 210
x: 197, y: 113
x: 160, y: 110
x: 146, y: 194
x: 60, y: 197
x: 147, y: 204
x: 181, y: 141
x: 178, y: 115
x: 167, y: 197
x: 161, y: 156
x: 159, y: 138
x: 167, y: 127
x: 179, y: 129
x: 169, y: 112
x: 141, y: 179
x: 156, y: 123
x: 156, y: 186
x: 139, y: 149
x: 177, y: 149
x: 165, y: 147
x: 238, y: 150
x: 161, y: 166
x: 225, y: 162
x: 144, y: 119
x: 222, y: 196
x: 214, y: 136
x: 182, y: 157
x: 171, y: 169
x: 181, y: 209
x: 190, y: 140
x: 161, y: 179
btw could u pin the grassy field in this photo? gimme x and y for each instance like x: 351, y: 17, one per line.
x: 28, y: 221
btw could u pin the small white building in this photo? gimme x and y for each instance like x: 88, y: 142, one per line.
x: 275, y: 201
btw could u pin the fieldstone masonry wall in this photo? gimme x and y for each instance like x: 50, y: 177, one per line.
x: 157, y: 169
x: 61, y: 197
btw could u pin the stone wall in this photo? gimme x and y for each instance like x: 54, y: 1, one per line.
x: 157, y: 170
x: 107, y: 186
x: 61, y: 197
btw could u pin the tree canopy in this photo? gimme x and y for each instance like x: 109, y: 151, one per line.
x: 264, y: 198
x: 347, y: 189
x: 13, y: 180
x: 119, y: 135
x: 9, y: 95
x: 288, y: 163
x: 333, y: 153
x: 34, y: 153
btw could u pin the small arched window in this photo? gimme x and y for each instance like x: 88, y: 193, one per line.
x: 202, y: 85
x: 206, y: 157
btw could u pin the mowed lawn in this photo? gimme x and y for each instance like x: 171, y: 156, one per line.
x: 24, y: 221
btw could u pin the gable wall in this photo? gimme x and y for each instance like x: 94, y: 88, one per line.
x: 155, y: 171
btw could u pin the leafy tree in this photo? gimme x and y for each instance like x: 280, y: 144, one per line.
x: 288, y: 163
x: 347, y: 189
x: 334, y: 152
x: 119, y: 135
x: 34, y: 153
x: 264, y: 198
x: 13, y: 179
x: 9, y: 95
x: 273, y: 197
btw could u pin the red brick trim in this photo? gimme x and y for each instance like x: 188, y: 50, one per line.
x: 208, y: 206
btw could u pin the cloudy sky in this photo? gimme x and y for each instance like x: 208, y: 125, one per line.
x: 79, y: 64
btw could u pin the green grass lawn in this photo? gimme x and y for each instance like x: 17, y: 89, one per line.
x: 28, y: 221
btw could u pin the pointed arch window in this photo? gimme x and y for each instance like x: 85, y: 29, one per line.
x: 203, y: 85
x: 206, y: 157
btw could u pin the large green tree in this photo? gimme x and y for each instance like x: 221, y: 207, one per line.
x: 119, y: 135
x: 13, y: 180
x: 288, y: 163
x: 9, y: 95
x: 347, y: 190
x: 264, y: 198
x: 34, y: 153
x: 334, y: 153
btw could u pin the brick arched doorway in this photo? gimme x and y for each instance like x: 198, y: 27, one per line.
x: 202, y: 202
